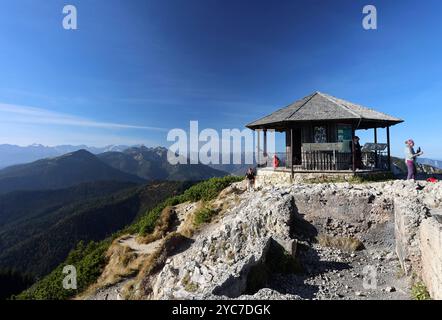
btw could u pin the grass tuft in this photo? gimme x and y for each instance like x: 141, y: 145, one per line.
x: 347, y: 244
x: 204, y: 215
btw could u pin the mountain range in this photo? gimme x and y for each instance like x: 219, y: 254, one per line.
x: 60, y: 172
x: 13, y: 154
x: 152, y: 164
x: 399, y: 169
x: 430, y: 162
x: 136, y: 164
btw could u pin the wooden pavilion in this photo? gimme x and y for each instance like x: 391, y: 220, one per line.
x: 319, y: 132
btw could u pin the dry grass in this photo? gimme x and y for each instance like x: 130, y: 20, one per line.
x: 400, y: 272
x: 173, y: 240
x: 155, y: 262
x: 348, y: 244
x: 163, y: 225
x: 228, y: 198
x: 129, y: 290
x: 188, y: 285
x: 187, y: 227
x: 122, y: 263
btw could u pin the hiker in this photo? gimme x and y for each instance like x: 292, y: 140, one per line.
x: 276, y: 161
x: 250, y: 176
x: 410, y: 158
x: 357, y: 152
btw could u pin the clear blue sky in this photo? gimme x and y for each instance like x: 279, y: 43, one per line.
x: 136, y: 68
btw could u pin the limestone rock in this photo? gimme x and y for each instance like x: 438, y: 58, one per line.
x: 220, y: 258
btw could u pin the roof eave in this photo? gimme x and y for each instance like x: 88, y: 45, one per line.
x: 268, y: 125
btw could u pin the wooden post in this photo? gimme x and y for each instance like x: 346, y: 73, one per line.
x: 353, y: 156
x: 258, y: 159
x: 291, y: 154
x: 388, y: 149
x: 287, y: 148
x: 376, y: 152
x: 265, y: 142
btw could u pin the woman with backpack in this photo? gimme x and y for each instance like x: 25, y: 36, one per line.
x: 410, y: 158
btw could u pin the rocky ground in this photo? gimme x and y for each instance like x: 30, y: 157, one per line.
x: 216, y: 264
x: 112, y: 292
x: 337, y: 275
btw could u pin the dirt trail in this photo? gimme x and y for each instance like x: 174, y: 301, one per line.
x: 139, y: 248
x: 113, y: 292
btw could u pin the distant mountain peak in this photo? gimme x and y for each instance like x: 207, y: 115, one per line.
x: 61, y: 171
x: 82, y: 153
x: 152, y: 164
x: 14, y: 154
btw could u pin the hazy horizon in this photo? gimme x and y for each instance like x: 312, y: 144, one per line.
x: 148, y: 146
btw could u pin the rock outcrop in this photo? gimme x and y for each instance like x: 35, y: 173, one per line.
x: 226, y: 258
x: 221, y: 257
x: 219, y: 261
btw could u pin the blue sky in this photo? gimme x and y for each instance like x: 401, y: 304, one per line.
x: 136, y: 68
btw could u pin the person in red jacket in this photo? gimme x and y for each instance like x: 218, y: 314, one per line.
x: 276, y: 161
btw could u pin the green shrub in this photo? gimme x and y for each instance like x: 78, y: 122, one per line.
x: 147, y: 225
x: 419, y: 292
x: 209, y: 189
x: 204, y: 215
x: 206, y: 190
x: 89, y: 261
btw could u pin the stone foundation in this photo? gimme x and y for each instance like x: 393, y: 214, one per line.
x: 268, y: 176
x: 417, y: 214
x: 408, y: 214
x: 431, y: 251
x: 282, y: 176
x: 418, y: 233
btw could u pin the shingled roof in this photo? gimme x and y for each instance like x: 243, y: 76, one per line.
x: 323, y: 107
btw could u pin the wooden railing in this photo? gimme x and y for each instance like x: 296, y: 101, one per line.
x: 329, y: 161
